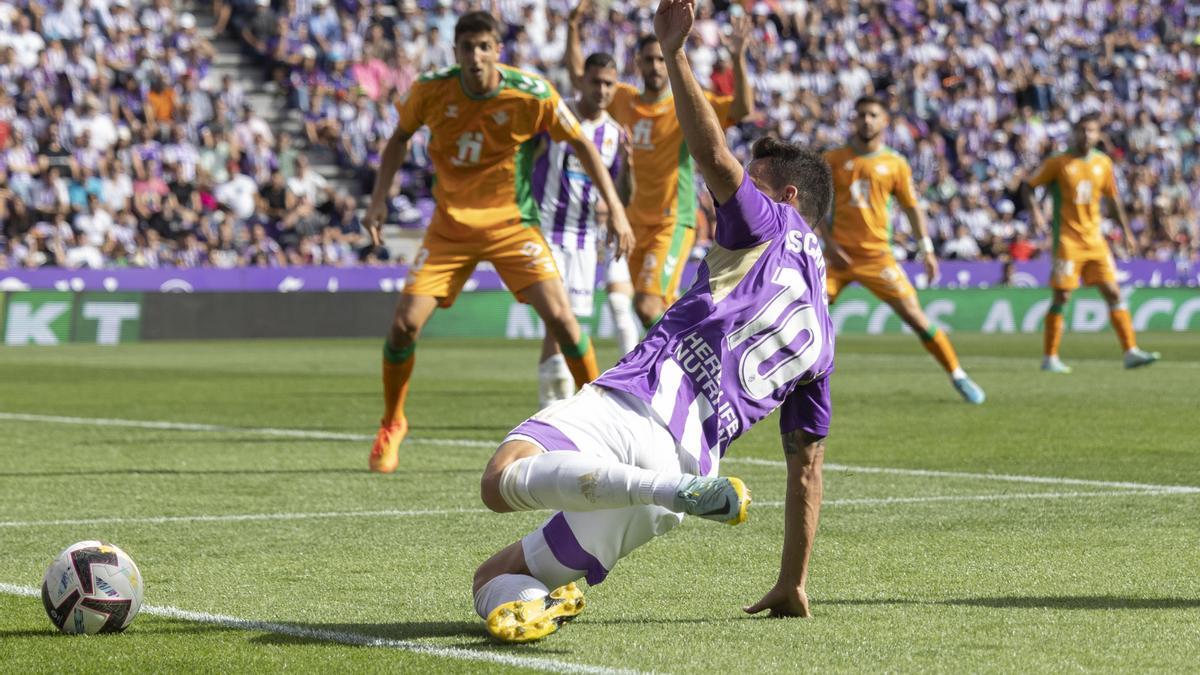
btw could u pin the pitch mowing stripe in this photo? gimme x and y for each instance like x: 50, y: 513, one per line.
x: 870, y: 501
x: 464, y: 442
x: 346, y: 638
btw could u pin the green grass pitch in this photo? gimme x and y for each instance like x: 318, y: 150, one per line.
x: 271, y: 550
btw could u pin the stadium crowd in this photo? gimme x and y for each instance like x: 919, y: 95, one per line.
x: 118, y: 147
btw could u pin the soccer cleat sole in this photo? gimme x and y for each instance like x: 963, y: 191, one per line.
x: 385, y: 454
x: 529, y: 620
x: 743, y: 494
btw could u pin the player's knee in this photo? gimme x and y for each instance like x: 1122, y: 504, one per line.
x: 489, y: 492
x: 405, y: 329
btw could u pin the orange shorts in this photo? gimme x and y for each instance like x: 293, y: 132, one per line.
x: 450, y: 252
x: 1095, y: 269
x: 882, y: 276
x: 657, y: 261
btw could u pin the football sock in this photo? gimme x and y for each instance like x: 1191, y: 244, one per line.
x: 397, y: 369
x: 937, y: 344
x: 569, y: 481
x: 1054, y: 330
x: 507, y: 588
x: 554, y: 380
x: 624, y: 322
x: 1123, y: 325
x: 581, y: 360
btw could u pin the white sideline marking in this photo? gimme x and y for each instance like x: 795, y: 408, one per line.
x: 979, y: 476
x: 869, y: 501
x: 357, y: 639
x: 462, y: 442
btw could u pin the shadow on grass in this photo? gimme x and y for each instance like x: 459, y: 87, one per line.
x: 360, y: 634
x: 1032, y: 602
x: 231, y: 472
x: 159, y: 626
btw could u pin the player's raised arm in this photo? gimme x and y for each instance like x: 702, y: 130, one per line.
x: 393, y: 156
x: 701, y: 128
x: 743, y: 88
x: 574, y: 47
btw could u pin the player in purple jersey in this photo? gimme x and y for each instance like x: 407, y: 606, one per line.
x: 572, y: 215
x: 625, y: 458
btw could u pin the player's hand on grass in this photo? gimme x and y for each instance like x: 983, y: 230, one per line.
x: 373, y: 221
x: 673, y: 23
x: 784, y: 599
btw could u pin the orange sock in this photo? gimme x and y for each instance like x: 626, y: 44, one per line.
x: 1123, y: 325
x: 1054, y: 331
x: 581, y: 361
x: 937, y: 344
x: 397, y: 369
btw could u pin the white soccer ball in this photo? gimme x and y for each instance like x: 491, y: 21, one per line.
x: 92, y: 587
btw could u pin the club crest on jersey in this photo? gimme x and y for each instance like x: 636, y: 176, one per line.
x: 452, y: 110
x: 882, y: 169
x: 1097, y: 170
x: 849, y: 165
x: 500, y: 116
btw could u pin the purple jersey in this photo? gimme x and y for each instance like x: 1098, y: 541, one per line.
x: 751, y: 334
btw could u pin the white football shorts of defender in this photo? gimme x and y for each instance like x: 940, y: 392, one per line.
x: 578, y: 269
x: 614, y: 425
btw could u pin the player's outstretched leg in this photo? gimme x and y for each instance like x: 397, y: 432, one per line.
x: 620, y: 303
x: 520, y: 477
x: 555, y: 382
x: 935, y: 342
x: 1052, y: 337
x: 399, y: 357
x: 549, y: 299
x: 1123, y: 326
x: 535, y: 618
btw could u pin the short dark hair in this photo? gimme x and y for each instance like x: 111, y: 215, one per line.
x: 600, y: 60
x: 790, y: 164
x: 476, y: 22
x: 647, y: 39
x: 870, y: 99
x: 1093, y: 116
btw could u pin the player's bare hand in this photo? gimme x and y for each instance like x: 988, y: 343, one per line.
x: 739, y: 38
x: 837, y: 257
x: 673, y: 23
x: 782, y: 600
x: 620, y: 234
x: 931, y: 267
x: 581, y: 10
x: 373, y: 221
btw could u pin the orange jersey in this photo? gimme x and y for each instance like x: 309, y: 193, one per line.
x: 1076, y: 185
x: 863, y: 188
x: 664, y: 178
x: 482, y: 147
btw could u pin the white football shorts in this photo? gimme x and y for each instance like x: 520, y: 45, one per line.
x: 578, y: 269
x: 617, y: 427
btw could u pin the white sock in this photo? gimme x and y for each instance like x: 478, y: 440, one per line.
x: 624, y: 322
x: 958, y: 374
x: 554, y: 380
x: 569, y: 481
x: 507, y: 588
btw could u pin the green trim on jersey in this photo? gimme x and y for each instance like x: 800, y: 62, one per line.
x: 530, y: 215
x: 440, y: 74
x: 685, y: 190
x: 1056, y: 222
x: 668, y: 270
x: 529, y: 83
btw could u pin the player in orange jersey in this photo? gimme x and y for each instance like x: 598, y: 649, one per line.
x: 1077, y: 179
x: 866, y: 176
x: 483, y: 119
x: 663, y: 208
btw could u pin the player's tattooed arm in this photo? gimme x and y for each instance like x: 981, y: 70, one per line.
x: 574, y: 47
x: 805, y: 454
x: 393, y: 157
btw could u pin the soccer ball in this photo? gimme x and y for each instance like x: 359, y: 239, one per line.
x: 92, y: 587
